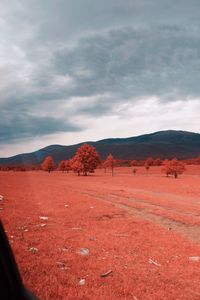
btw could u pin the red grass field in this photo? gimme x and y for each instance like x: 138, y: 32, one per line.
x: 143, y: 227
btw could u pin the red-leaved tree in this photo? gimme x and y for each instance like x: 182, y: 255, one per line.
x: 134, y: 171
x: 68, y: 164
x: 173, y: 167
x: 110, y: 163
x: 76, y: 165
x: 157, y: 162
x: 61, y: 166
x: 48, y: 164
x: 148, y: 162
x: 86, y: 160
x: 134, y: 163
x: 65, y: 165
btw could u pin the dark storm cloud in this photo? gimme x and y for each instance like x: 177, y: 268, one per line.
x: 57, y: 20
x: 104, y: 53
x: 25, y: 126
x: 131, y: 63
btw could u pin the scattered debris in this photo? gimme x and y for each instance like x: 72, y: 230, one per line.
x: 106, y: 273
x: 65, y: 249
x: 62, y: 265
x: 194, y: 258
x: 151, y: 261
x: 84, y: 251
x: 1, y: 198
x: 22, y: 228
x: 175, y: 256
x: 33, y: 250
x: 82, y: 282
x: 43, y: 218
x: 43, y: 225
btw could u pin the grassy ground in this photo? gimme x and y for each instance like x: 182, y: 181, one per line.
x: 143, y: 227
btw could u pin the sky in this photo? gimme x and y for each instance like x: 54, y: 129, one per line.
x: 82, y: 70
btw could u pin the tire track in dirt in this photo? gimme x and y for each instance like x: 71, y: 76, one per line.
x: 151, y: 205
x: 191, y: 232
x: 189, y: 202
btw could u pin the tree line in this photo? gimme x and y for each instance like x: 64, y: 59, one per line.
x: 87, y: 159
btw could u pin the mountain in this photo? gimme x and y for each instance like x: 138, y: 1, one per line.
x: 163, y: 144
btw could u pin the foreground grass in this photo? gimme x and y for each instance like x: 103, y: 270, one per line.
x: 147, y: 260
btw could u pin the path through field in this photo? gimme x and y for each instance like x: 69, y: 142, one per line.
x: 168, y: 216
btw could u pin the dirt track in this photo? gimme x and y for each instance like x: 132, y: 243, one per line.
x: 191, y: 232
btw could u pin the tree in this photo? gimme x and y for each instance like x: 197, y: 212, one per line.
x: 166, y: 167
x: 173, y: 167
x: 147, y: 166
x: 65, y: 165
x: 157, y: 162
x: 48, y: 164
x: 134, y: 163
x: 68, y: 165
x: 86, y: 160
x: 104, y: 165
x: 77, y: 166
x: 61, y: 166
x: 110, y: 162
x: 196, y: 160
x: 148, y: 162
x: 134, y: 171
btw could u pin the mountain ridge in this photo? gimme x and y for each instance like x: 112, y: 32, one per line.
x: 163, y: 144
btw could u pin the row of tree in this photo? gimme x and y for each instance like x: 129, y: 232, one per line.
x: 87, y: 159
x: 20, y: 167
x: 65, y: 165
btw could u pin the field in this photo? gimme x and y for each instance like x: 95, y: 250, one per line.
x: 145, y: 228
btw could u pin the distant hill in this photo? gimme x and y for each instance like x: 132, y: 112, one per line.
x: 163, y: 144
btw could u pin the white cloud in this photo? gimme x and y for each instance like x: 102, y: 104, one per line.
x: 127, y: 120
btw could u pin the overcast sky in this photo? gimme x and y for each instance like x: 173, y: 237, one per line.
x: 79, y: 70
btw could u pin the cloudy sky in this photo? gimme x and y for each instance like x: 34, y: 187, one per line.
x: 77, y: 70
